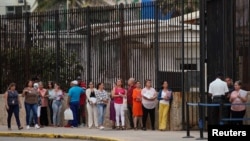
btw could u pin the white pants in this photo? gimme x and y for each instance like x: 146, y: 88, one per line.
x: 38, y: 111
x: 119, y: 111
x: 92, y: 115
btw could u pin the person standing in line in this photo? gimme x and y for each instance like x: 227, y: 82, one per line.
x: 131, y: 87
x: 58, y: 96
x: 73, y: 102
x: 164, y: 97
x: 91, y: 105
x: 149, y: 96
x: 44, y: 105
x: 12, y: 105
x: 217, y: 91
x: 50, y: 101
x: 112, y: 108
x: 118, y: 94
x: 238, y: 99
x: 39, y: 103
x: 102, y: 99
x: 230, y: 86
x: 137, y: 105
x: 82, y: 106
x: 31, y: 102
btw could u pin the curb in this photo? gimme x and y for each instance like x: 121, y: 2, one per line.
x: 56, y: 136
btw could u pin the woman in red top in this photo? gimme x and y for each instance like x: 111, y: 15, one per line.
x: 137, y: 105
x: 119, y: 93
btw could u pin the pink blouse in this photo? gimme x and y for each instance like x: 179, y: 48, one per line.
x: 119, y: 100
x: 44, y: 99
x: 236, y: 100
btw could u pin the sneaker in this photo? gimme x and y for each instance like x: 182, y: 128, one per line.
x: 37, y: 127
x: 27, y: 127
x: 101, y: 127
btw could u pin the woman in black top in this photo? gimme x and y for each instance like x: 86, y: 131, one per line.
x: 12, y: 105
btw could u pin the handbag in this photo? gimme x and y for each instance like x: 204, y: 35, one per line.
x: 68, y: 114
x: 124, y: 104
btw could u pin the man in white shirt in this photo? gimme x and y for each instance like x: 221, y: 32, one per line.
x: 217, y: 90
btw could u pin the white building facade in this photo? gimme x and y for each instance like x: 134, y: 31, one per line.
x: 9, y: 7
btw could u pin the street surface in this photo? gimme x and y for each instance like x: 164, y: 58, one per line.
x: 127, y: 135
x: 34, y: 139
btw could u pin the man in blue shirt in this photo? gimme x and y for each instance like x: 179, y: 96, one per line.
x: 73, y: 101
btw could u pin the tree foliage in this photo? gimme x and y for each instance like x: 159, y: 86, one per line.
x: 45, y: 62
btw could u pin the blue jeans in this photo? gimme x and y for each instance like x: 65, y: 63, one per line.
x: 33, y: 108
x: 74, y: 106
x: 57, y: 107
x: 101, y: 108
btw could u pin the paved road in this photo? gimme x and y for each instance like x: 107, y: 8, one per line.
x: 127, y: 135
x: 34, y: 139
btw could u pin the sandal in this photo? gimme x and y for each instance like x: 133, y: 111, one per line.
x: 118, y: 128
x: 123, y: 128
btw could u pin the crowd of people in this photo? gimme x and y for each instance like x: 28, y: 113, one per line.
x: 43, y: 105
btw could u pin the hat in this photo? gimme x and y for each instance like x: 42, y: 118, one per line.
x: 74, y: 82
x: 35, y: 85
x: 79, y: 78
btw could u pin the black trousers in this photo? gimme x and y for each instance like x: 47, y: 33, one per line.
x: 13, y: 109
x: 51, y: 111
x: 44, y: 117
x: 237, y: 114
x: 82, y: 114
x: 218, y: 112
x: 151, y: 113
x: 130, y: 115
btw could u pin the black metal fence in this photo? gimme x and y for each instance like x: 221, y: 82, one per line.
x: 145, y: 40
x: 157, y: 41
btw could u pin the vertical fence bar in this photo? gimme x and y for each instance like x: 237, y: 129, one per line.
x: 87, y: 16
x: 123, y: 52
x: 233, y: 33
x: 188, y: 122
x: 156, y: 46
x: 182, y: 63
x: 202, y: 67
x: 27, y: 45
x: 1, y: 56
x: 57, y: 26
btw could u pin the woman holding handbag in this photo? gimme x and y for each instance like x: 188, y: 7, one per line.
x: 91, y: 105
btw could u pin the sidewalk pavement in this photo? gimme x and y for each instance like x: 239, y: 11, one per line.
x: 101, y: 135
